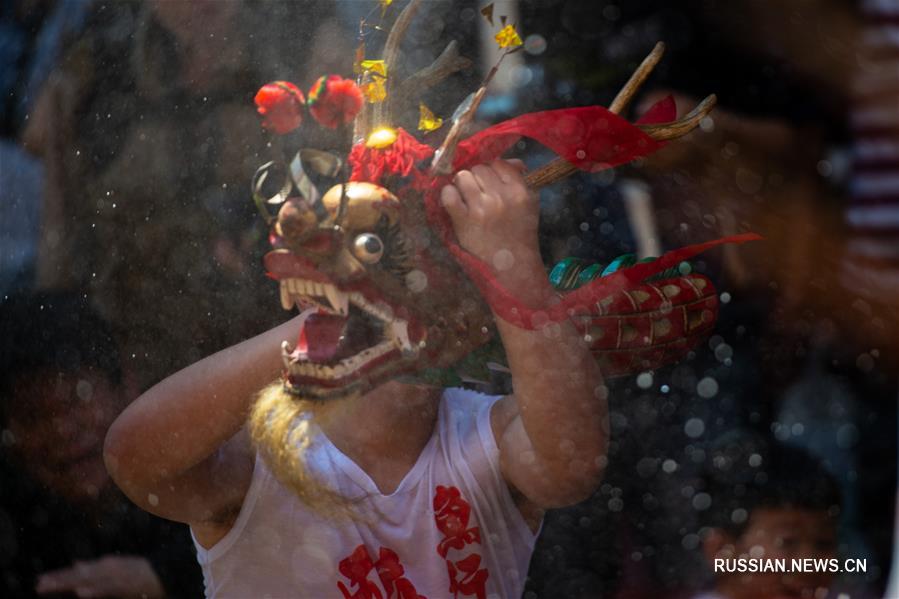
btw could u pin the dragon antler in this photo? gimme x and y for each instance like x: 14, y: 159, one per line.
x: 400, y: 94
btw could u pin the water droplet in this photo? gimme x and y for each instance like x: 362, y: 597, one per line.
x: 416, y: 281
x: 694, y: 428
x: 644, y: 380
x: 535, y: 44
x: 503, y: 260
x: 723, y: 352
x: 84, y: 390
x: 707, y: 387
x: 702, y: 501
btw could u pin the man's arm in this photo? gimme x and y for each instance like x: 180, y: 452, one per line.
x: 552, y: 432
x: 179, y: 450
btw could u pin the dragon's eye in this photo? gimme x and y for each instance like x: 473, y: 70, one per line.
x: 368, y: 247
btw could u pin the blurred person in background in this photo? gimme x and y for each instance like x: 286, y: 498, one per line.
x: 32, y: 35
x: 65, y: 529
x: 767, y: 501
x: 149, y: 136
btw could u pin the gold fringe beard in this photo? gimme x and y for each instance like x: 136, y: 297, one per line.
x: 281, y: 427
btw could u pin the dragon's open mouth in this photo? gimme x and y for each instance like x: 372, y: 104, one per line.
x: 343, y: 336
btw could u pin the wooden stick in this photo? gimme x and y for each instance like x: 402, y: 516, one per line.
x: 443, y: 158
x: 682, y: 126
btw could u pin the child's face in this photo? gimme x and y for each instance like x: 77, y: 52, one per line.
x: 59, y: 424
x: 786, y: 533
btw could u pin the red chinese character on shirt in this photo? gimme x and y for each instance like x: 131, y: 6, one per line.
x: 390, y: 571
x: 356, y: 567
x: 451, y: 514
x: 466, y: 578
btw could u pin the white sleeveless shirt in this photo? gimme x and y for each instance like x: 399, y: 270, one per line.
x: 450, y: 529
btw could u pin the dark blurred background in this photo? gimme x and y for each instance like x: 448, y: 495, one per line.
x: 129, y: 139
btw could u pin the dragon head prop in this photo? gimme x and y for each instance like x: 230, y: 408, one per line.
x: 373, y: 265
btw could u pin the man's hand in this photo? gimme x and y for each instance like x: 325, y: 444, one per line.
x: 120, y: 576
x: 495, y: 217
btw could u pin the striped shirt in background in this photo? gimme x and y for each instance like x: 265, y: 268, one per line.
x: 872, y: 263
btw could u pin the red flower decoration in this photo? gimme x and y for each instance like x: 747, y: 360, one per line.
x: 334, y: 101
x: 281, y: 105
x: 400, y: 158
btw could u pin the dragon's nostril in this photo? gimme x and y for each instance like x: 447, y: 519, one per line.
x: 295, y: 219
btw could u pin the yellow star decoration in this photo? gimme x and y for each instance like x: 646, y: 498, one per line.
x: 508, y: 37
x: 375, y: 66
x: 374, y: 79
x: 427, y: 120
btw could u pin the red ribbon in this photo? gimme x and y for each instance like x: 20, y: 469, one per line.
x: 591, y: 138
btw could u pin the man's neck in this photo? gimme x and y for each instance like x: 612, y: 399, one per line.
x: 392, y: 420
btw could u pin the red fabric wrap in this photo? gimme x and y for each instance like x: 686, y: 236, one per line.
x: 581, y: 300
x: 591, y: 138
x: 661, y: 112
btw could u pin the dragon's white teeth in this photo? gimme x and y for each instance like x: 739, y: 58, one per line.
x: 384, y: 314
x: 399, y: 334
x: 338, y: 299
x: 345, y: 367
x: 286, y: 301
x: 302, y: 292
x: 286, y: 350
